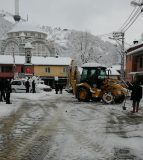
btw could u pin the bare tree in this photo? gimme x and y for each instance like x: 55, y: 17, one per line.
x: 82, y: 44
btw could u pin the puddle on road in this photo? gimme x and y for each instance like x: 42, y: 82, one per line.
x: 122, y: 125
x: 123, y: 154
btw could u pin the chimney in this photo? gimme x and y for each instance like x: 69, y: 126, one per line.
x: 135, y: 42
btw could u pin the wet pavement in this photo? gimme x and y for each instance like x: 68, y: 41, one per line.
x: 63, y: 129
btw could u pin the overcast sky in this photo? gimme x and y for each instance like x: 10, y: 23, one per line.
x: 95, y: 16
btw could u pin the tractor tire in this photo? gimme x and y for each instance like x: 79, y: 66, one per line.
x: 119, y: 99
x: 83, y: 94
x: 108, y: 98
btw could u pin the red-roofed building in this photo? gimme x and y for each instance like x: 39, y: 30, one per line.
x: 47, y: 68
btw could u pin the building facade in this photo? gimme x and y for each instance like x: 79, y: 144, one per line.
x: 134, y: 62
x: 50, y: 69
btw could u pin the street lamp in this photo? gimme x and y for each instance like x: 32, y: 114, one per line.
x: 117, y: 36
x: 14, y: 65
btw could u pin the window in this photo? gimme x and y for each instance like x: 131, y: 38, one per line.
x: 48, y: 70
x: 17, y: 34
x: 102, y: 74
x: 22, y: 69
x: 141, y: 62
x: 28, y: 34
x: 32, y: 34
x: 16, y: 83
x: 6, y: 69
x: 28, y: 59
x: 64, y: 69
x: 84, y: 74
x: 39, y: 35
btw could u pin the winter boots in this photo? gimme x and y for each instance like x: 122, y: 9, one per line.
x: 137, y: 109
x: 133, y: 111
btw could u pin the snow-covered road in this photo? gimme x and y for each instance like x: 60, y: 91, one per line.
x: 46, y: 126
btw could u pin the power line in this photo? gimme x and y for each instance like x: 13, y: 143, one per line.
x: 133, y: 17
x: 130, y: 16
x: 132, y: 20
x: 126, y: 21
x: 129, y: 21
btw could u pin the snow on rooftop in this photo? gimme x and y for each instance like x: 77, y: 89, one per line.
x: 135, y: 45
x: 116, y: 67
x: 36, y: 60
x: 114, y: 72
x: 51, y: 60
x: 135, y: 51
x: 26, y: 26
x: 93, y: 64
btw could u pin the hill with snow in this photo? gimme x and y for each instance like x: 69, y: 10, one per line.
x: 81, y: 46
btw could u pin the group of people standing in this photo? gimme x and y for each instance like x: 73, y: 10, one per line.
x: 5, y: 90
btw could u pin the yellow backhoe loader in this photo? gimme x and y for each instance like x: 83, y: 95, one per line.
x: 95, y: 84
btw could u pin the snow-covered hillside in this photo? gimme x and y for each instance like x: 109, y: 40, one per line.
x: 81, y: 46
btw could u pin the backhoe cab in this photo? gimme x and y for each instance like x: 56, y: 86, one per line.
x: 96, y: 85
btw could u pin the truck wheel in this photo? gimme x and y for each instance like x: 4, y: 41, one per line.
x: 83, y: 94
x: 107, y: 98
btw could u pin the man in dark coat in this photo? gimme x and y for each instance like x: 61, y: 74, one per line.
x: 8, y: 91
x: 27, y: 85
x: 2, y: 90
x: 56, y: 87
x: 61, y: 88
x: 136, y: 95
x: 33, y: 86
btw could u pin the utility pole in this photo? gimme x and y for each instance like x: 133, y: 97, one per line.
x: 119, y: 36
x: 14, y: 65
